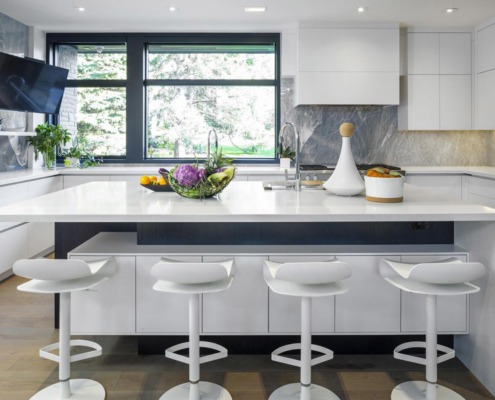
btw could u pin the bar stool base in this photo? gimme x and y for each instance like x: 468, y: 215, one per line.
x: 207, y: 391
x: 292, y: 391
x: 82, y: 389
x: 416, y: 390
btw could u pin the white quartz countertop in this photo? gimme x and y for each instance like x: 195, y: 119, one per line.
x: 240, y: 202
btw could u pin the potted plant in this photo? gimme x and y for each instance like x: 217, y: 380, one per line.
x: 48, y: 137
x: 286, y: 156
x: 78, y: 155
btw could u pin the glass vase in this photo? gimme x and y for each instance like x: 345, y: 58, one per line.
x: 49, y: 159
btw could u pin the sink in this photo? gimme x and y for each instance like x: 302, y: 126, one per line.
x: 290, y: 185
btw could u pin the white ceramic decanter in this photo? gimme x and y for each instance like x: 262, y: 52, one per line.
x: 345, y: 180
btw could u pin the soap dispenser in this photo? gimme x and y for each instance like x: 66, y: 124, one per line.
x: 345, y: 180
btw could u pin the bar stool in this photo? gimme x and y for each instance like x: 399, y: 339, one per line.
x: 194, y: 279
x: 305, y: 280
x: 443, y: 278
x: 64, y: 277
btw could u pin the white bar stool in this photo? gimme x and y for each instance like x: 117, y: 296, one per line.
x: 194, y: 279
x: 64, y: 277
x: 305, y: 280
x: 443, y: 278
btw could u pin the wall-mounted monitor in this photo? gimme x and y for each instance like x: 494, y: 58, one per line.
x: 30, y: 85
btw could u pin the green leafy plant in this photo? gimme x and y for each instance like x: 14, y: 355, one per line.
x: 79, y: 149
x: 287, y: 152
x: 47, y: 138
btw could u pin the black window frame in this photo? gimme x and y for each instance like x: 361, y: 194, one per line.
x: 136, y: 81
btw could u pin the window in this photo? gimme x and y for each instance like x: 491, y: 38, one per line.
x: 143, y: 98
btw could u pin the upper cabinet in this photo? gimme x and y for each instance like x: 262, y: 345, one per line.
x: 485, y: 76
x: 436, y: 91
x: 347, y: 65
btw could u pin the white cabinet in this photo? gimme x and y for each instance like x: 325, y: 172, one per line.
x: 108, y: 308
x: 41, y: 235
x: 481, y: 191
x: 13, y: 246
x: 288, y: 53
x: 371, y: 305
x: 444, y: 186
x: 158, y: 312
x: 451, y: 310
x: 485, y: 77
x: 75, y: 180
x: 285, y: 311
x: 485, y: 43
x: 347, y: 65
x: 436, y: 94
x: 244, y: 307
x: 11, y: 194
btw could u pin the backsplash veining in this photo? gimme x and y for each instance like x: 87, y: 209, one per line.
x: 13, y: 149
x: 377, y: 138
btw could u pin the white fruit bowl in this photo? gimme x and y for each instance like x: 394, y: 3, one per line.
x: 384, y: 190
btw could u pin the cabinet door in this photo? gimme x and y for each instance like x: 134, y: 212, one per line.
x: 423, y: 53
x: 41, y: 235
x: 485, y: 45
x: 372, y: 305
x: 108, y: 308
x: 455, y: 102
x: 74, y: 180
x: 11, y: 194
x: 455, y: 53
x: 444, y: 186
x: 451, y: 310
x: 13, y: 246
x: 159, y: 312
x: 244, y: 307
x: 486, y: 99
x: 285, y: 311
x: 481, y: 191
x: 423, y: 102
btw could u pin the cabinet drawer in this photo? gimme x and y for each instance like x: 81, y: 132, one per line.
x: 12, y: 194
x: 482, y: 187
x: 40, y: 187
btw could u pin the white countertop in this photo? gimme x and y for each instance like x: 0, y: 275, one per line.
x: 240, y: 202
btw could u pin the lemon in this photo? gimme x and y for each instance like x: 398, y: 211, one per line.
x: 153, y: 178
x: 162, y: 181
x: 145, y: 180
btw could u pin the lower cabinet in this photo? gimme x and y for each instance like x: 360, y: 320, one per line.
x: 444, y: 185
x: 481, y: 191
x: 13, y: 246
x: 108, y: 308
x: 451, y: 310
x: 244, y: 307
x: 158, y: 312
x: 371, y: 305
x: 285, y: 311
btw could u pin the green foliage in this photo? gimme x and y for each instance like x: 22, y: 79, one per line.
x: 80, y: 149
x: 47, y: 138
x: 216, y: 161
x: 287, y: 152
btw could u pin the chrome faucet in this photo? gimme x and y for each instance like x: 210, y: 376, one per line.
x: 209, y: 144
x: 297, y: 186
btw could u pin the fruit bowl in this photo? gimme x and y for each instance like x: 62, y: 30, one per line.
x: 201, y: 191
x: 158, y: 188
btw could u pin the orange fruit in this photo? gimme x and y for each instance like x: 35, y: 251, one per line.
x: 145, y: 180
x: 153, y: 178
x: 162, y: 181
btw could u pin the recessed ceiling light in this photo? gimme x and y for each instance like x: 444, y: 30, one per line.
x: 172, y: 8
x: 254, y: 9
x: 361, y: 9
x: 451, y: 10
x: 81, y: 9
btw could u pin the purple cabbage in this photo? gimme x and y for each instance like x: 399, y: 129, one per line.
x: 188, y: 175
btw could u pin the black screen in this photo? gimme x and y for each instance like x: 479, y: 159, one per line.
x: 29, y: 85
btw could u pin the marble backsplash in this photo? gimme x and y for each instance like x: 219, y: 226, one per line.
x: 13, y: 149
x: 377, y: 138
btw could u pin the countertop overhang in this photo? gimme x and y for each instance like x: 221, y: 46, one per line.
x: 239, y: 202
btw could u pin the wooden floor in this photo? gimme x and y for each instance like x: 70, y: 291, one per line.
x: 26, y: 324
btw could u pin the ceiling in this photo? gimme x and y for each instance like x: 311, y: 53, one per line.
x: 154, y: 15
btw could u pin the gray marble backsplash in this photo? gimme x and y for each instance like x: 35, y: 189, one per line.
x: 377, y: 138
x: 13, y: 149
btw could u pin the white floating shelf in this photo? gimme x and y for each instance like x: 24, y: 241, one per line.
x: 16, y: 133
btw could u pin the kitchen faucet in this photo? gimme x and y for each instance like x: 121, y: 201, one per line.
x: 297, y: 186
x: 209, y: 144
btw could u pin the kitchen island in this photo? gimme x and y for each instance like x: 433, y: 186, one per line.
x: 308, y: 218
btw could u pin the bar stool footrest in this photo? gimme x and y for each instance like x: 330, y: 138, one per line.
x: 45, y: 352
x: 327, y: 354
x: 171, y: 352
x: 449, y: 353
